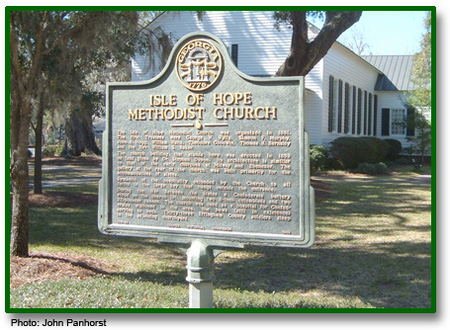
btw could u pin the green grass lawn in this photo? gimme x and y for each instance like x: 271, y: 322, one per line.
x: 372, y: 250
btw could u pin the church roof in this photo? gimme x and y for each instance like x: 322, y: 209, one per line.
x: 396, y: 71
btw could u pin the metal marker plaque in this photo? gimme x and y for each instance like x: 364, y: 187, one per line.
x: 203, y: 151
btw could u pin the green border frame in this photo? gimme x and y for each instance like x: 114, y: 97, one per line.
x: 433, y: 307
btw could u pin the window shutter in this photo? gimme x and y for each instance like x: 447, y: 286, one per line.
x: 234, y: 54
x: 358, y: 128
x: 375, y: 114
x: 369, y: 123
x: 409, y: 119
x: 346, y: 107
x: 330, y: 104
x: 354, y: 110
x: 385, y: 121
x: 365, y: 113
x: 339, y: 125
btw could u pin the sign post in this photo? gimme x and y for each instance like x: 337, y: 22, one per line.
x: 207, y: 158
x: 200, y: 270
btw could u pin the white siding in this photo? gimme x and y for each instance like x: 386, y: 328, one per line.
x: 343, y: 64
x: 141, y: 68
x: 313, y: 116
x: 146, y: 66
x: 313, y: 103
x: 261, y: 47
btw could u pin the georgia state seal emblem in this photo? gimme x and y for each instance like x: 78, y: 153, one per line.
x: 198, y: 64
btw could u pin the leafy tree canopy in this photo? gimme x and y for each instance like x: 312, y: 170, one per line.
x: 46, y: 49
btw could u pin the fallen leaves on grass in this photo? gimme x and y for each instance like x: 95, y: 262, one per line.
x: 322, y: 190
x: 62, y: 199
x: 38, y: 268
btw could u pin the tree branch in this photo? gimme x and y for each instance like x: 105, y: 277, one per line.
x: 36, y: 58
x: 76, y: 28
x: 336, y: 23
x: 305, y: 54
x: 299, y: 37
x: 14, y: 55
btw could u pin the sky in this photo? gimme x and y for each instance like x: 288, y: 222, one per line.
x: 388, y: 32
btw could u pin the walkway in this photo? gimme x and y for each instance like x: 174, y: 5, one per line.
x: 424, y: 178
x: 95, y: 176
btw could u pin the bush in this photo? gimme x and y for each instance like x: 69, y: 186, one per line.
x: 59, y: 150
x: 376, y: 149
x: 50, y: 150
x: 347, y: 152
x: 351, y: 151
x: 394, y: 149
x: 372, y: 169
x: 333, y: 164
x: 318, y: 157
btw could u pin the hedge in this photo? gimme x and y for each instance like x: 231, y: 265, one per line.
x: 394, y: 149
x: 372, y: 169
x: 352, y: 151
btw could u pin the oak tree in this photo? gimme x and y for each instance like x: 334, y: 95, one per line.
x: 35, y: 39
x: 305, y: 53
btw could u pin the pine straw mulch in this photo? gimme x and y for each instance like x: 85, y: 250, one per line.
x: 39, y: 267
x: 62, y: 199
x: 71, y: 161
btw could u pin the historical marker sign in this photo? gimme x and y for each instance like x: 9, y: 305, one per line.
x: 203, y: 151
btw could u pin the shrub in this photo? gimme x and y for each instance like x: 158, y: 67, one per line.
x: 372, y: 168
x: 333, y: 164
x: 346, y: 152
x: 376, y: 149
x: 318, y: 156
x: 351, y: 151
x: 59, y: 150
x: 49, y: 150
x: 394, y: 149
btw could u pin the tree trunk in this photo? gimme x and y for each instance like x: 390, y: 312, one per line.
x: 20, y: 125
x: 37, y: 187
x: 71, y: 143
x: 80, y: 136
x: 22, y: 88
x: 304, y: 54
x: 293, y: 64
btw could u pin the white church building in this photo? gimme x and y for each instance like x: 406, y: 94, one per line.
x: 346, y: 94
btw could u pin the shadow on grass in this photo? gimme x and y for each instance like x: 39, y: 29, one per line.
x: 391, y: 270
x: 68, y: 226
x: 377, y: 278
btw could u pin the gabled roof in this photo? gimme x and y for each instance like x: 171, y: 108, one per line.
x: 397, y: 71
